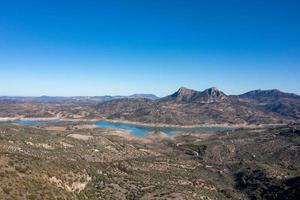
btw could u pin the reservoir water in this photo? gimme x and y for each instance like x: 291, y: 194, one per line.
x: 37, y: 122
x: 140, y: 130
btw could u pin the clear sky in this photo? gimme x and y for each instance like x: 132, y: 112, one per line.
x: 95, y: 47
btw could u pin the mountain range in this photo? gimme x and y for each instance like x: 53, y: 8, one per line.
x: 183, y: 107
x: 211, y: 106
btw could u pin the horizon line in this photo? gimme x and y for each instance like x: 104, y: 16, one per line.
x: 120, y: 95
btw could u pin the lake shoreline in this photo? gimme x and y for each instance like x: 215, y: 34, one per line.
x: 233, y: 126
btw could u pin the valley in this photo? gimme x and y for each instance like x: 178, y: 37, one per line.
x: 188, y: 145
x: 150, y: 100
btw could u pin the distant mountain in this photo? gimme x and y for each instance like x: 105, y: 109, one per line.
x: 183, y: 107
x: 268, y: 95
x: 185, y: 95
x: 41, y: 99
x: 285, y: 104
x: 211, y: 106
x: 143, y: 96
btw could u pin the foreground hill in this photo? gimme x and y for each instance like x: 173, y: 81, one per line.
x: 211, y: 106
x: 76, y: 162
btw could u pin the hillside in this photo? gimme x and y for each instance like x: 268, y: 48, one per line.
x: 183, y: 107
x: 77, y: 162
x: 285, y: 104
x: 211, y: 106
x: 185, y: 95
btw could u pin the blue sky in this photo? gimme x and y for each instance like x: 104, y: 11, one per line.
x: 122, y: 47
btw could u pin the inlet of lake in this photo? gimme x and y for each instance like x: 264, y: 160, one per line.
x: 140, y: 130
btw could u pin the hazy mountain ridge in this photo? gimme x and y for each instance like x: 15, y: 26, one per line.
x: 50, y: 99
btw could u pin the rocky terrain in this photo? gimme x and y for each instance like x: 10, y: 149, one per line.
x: 212, y: 106
x: 11, y: 109
x: 81, y: 162
x: 76, y: 160
x: 184, y: 107
x: 286, y: 104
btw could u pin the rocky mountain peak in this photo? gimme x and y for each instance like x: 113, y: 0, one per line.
x: 183, y: 91
x: 212, y: 91
x: 213, y: 95
x: 185, y: 95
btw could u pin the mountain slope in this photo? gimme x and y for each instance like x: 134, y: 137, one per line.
x: 190, y: 107
x: 143, y: 96
x: 269, y: 95
x: 184, y: 95
x: 285, y: 104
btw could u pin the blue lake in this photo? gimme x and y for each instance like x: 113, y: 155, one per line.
x: 139, y: 130
x: 37, y: 122
x: 142, y: 130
